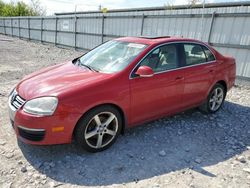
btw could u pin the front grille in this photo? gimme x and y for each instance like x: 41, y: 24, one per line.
x: 16, y: 100
x: 33, y: 135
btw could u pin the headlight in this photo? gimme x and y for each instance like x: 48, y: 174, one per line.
x: 41, y: 106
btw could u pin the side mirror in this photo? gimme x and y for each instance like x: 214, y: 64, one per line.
x: 144, y: 71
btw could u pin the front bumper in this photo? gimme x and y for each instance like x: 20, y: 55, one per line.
x: 42, y: 130
x: 31, y: 134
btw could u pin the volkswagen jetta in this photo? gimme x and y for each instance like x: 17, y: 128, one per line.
x: 119, y: 84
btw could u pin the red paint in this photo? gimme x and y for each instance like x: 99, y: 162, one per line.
x: 141, y: 99
x: 144, y: 71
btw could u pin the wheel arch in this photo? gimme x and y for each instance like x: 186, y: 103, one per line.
x: 223, y: 83
x: 124, y: 119
x: 203, y: 106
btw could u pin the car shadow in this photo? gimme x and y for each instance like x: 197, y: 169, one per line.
x: 189, y: 140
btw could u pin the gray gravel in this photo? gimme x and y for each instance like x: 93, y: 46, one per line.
x: 186, y: 150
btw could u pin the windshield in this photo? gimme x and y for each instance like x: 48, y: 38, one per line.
x: 112, y: 56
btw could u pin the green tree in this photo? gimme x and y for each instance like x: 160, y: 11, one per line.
x: 21, y: 9
x: 1, y: 6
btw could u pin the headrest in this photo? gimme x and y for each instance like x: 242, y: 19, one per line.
x: 196, y: 50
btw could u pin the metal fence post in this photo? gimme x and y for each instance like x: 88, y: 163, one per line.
x: 75, y: 30
x: 142, y: 24
x: 103, y: 28
x: 29, y: 27
x: 4, y: 26
x: 11, y: 25
x: 42, y: 30
x: 19, y: 28
x: 56, y: 33
x: 211, y: 27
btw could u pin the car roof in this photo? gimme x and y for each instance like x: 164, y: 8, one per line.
x: 152, y: 40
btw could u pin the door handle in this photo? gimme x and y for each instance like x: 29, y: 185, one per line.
x: 179, y: 78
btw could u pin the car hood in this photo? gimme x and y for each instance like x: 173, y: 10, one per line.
x: 56, y: 79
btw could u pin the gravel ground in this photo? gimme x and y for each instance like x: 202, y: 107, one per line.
x: 186, y: 150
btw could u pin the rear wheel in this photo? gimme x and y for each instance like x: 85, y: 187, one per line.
x: 99, y: 128
x: 214, y: 100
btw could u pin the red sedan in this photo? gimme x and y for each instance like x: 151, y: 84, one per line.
x: 119, y: 84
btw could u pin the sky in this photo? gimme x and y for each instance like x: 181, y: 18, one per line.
x: 56, y: 6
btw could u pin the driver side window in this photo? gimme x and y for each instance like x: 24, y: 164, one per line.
x: 162, y: 58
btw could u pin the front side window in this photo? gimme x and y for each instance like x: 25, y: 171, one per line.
x: 162, y: 58
x: 194, y: 54
x: 112, y: 56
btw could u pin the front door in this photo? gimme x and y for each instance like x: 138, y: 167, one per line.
x: 161, y: 94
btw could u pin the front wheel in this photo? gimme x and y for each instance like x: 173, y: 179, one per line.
x: 99, y: 128
x: 214, y: 100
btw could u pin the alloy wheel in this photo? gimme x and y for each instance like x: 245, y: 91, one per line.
x: 216, y: 99
x: 101, y: 130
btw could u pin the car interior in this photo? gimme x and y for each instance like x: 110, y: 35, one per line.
x: 164, y: 58
x: 194, y: 55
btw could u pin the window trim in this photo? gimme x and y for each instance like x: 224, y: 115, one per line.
x: 209, y: 51
x: 182, y: 67
x: 152, y: 50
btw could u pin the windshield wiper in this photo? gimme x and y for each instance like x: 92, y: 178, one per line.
x: 89, y: 67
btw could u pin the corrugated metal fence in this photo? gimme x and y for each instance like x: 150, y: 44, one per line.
x: 226, y: 29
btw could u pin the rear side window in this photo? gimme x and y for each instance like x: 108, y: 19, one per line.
x: 194, y: 54
x: 209, y: 55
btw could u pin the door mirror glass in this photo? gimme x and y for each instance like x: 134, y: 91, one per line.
x: 144, y: 71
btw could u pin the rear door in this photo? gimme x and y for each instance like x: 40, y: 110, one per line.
x: 199, y: 68
x: 152, y: 97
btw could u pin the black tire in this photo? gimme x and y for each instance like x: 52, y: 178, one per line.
x: 206, y: 106
x: 88, y: 122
